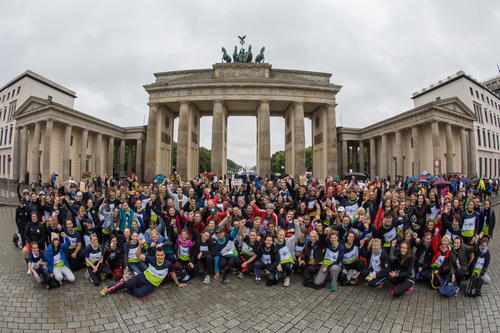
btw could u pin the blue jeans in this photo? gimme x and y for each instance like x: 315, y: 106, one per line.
x: 137, y: 267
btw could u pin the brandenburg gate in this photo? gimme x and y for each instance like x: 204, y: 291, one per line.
x: 240, y: 88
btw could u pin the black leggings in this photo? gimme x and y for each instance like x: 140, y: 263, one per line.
x: 309, y: 272
x: 286, y: 270
x: 402, y: 285
x: 379, y: 276
x: 226, y: 263
x: 205, y: 265
x: 96, y: 277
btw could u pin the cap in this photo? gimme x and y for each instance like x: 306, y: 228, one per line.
x: 42, y: 193
x: 218, y: 230
x: 341, y: 209
x: 26, y: 191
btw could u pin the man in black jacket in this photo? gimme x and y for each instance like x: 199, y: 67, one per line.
x: 34, y: 232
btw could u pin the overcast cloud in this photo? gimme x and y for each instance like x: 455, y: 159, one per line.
x: 379, y: 51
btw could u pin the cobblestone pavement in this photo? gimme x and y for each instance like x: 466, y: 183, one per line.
x: 238, y: 306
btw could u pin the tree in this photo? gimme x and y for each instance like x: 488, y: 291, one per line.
x: 278, y: 162
x: 205, y: 159
x: 232, y: 166
x: 309, y: 157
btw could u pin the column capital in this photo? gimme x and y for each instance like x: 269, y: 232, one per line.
x: 218, y: 101
x: 264, y: 101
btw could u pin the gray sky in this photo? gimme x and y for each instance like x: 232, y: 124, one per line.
x: 379, y: 51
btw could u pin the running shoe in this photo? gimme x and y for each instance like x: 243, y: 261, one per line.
x: 206, y: 280
x: 408, y: 292
x: 334, y: 288
x: 286, y: 282
x: 257, y: 280
x: 104, y: 292
x: 240, y: 275
x: 186, y: 278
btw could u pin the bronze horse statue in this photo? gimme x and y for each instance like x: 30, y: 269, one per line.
x: 260, y: 57
x: 225, y: 56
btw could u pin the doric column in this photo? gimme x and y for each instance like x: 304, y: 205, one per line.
x: 361, y: 156
x: 324, y: 142
x: 98, y: 153
x: 182, y: 140
x: 129, y: 159
x: 384, y: 158
x: 449, y: 149
x: 111, y: 153
x: 23, y: 158
x: 83, y: 152
x: 472, y: 153
x: 463, y: 151
x: 295, y: 157
x: 373, y: 159
x: 122, y: 157
x: 345, y: 156
x: 218, y: 162
x: 138, y: 160
x: 152, y: 144
x: 263, y: 139
x: 354, y: 150
x: 35, y: 156
x: 16, y: 154
x: 66, y: 153
x: 399, y: 155
x: 436, y: 149
x: 47, y: 142
x: 415, y: 151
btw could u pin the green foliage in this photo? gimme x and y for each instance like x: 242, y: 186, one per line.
x: 309, y: 159
x: 205, y: 156
x: 278, y: 162
x: 205, y: 160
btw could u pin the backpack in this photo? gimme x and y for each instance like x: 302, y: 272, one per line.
x: 16, y: 239
x: 473, y: 288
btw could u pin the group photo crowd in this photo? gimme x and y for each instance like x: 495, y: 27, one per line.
x: 338, y: 232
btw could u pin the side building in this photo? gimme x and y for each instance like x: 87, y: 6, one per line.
x: 12, y: 95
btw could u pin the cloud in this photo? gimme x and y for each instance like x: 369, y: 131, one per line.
x: 379, y: 51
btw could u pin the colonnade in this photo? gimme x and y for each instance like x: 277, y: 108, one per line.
x: 48, y: 146
x: 159, y: 144
x: 408, y: 151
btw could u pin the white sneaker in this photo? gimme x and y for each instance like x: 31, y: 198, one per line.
x: 28, y: 272
x: 206, y: 280
x: 286, y: 283
x: 240, y: 275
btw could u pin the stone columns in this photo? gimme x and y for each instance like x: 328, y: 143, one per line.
x: 188, y: 141
x: 218, y: 162
x: 83, y: 152
x: 182, y: 140
x: 98, y: 154
x: 345, y: 156
x: 436, y: 148
x: 295, y: 157
x: 449, y: 149
x: 324, y: 142
x: 472, y: 152
x: 16, y: 154
x: 47, y: 142
x: 263, y: 139
x: 66, y: 172
x: 463, y: 151
x: 138, y: 160
x: 354, y: 160
x: 415, y: 151
x: 111, y: 153
x: 384, y: 158
x: 373, y: 158
x: 122, y: 157
x: 23, y: 158
x: 129, y: 159
x: 399, y: 155
x: 361, y: 156
x: 35, y: 156
x: 152, y: 144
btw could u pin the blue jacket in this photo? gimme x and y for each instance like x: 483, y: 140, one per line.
x: 49, y: 255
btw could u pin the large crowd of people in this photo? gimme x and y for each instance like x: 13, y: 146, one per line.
x: 321, y: 233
